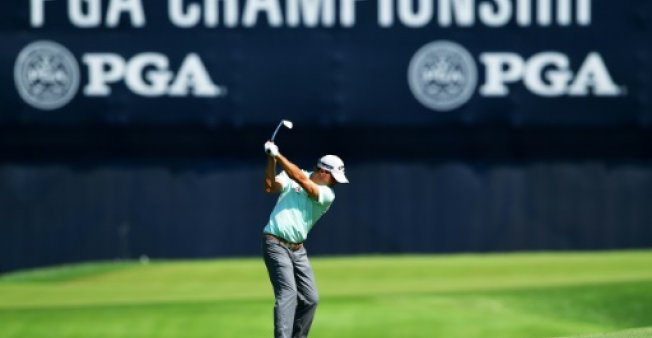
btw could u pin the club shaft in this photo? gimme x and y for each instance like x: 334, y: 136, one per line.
x: 276, y: 131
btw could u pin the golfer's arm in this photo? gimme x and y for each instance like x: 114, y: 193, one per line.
x: 271, y: 186
x: 298, y: 176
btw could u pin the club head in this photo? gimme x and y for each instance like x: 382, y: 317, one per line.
x: 286, y: 123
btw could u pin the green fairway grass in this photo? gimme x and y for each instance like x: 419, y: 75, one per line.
x: 592, y: 295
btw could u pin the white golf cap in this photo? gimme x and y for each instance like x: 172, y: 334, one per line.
x: 335, y: 166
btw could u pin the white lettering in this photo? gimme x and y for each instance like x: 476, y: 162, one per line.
x: 193, y: 74
x: 461, y: 10
x: 564, y: 12
x: 524, y: 13
x: 186, y: 19
x: 102, y: 69
x: 497, y: 17
x: 584, y: 12
x: 347, y: 12
x: 37, y: 12
x: 415, y: 18
x: 386, y: 13
x: 551, y: 66
x: 148, y: 74
x: 134, y: 8
x: 212, y: 13
x: 594, y: 74
x: 501, y: 68
x: 271, y: 8
x: 327, y: 13
x: 547, y: 74
x: 307, y: 11
x: 544, y: 12
x: 499, y: 13
x: 152, y: 83
x: 90, y: 17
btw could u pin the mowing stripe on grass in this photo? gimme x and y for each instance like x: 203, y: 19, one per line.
x: 489, y: 296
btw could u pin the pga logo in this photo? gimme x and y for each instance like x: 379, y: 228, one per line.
x: 47, y: 75
x: 148, y: 74
x: 442, y: 75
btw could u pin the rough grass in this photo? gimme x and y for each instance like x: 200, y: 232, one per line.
x: 502, y: 296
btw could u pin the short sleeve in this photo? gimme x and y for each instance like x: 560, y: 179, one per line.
x: 284, y: 180
x: 326, y: 195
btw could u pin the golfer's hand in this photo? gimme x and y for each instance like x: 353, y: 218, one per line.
x: 271, y: 149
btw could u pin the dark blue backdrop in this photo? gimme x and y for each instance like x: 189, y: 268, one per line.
x: 123, y: 175
x: 59, y: 213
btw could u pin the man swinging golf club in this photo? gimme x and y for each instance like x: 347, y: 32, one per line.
x: 304, y: 198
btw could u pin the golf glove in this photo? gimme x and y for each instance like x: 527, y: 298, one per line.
x: 271, y: 149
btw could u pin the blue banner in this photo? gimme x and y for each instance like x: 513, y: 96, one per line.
x: 343, y: 62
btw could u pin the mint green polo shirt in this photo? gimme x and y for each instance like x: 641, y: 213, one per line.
x: 295, y: 212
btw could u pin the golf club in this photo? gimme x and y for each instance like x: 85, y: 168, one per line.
x: 288, y: 124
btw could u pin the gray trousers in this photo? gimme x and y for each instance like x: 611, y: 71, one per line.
x: 294, y: 289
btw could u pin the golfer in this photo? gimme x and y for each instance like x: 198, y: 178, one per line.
x: 304, y: 198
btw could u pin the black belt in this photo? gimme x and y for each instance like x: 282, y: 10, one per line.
x: 289, y: 245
